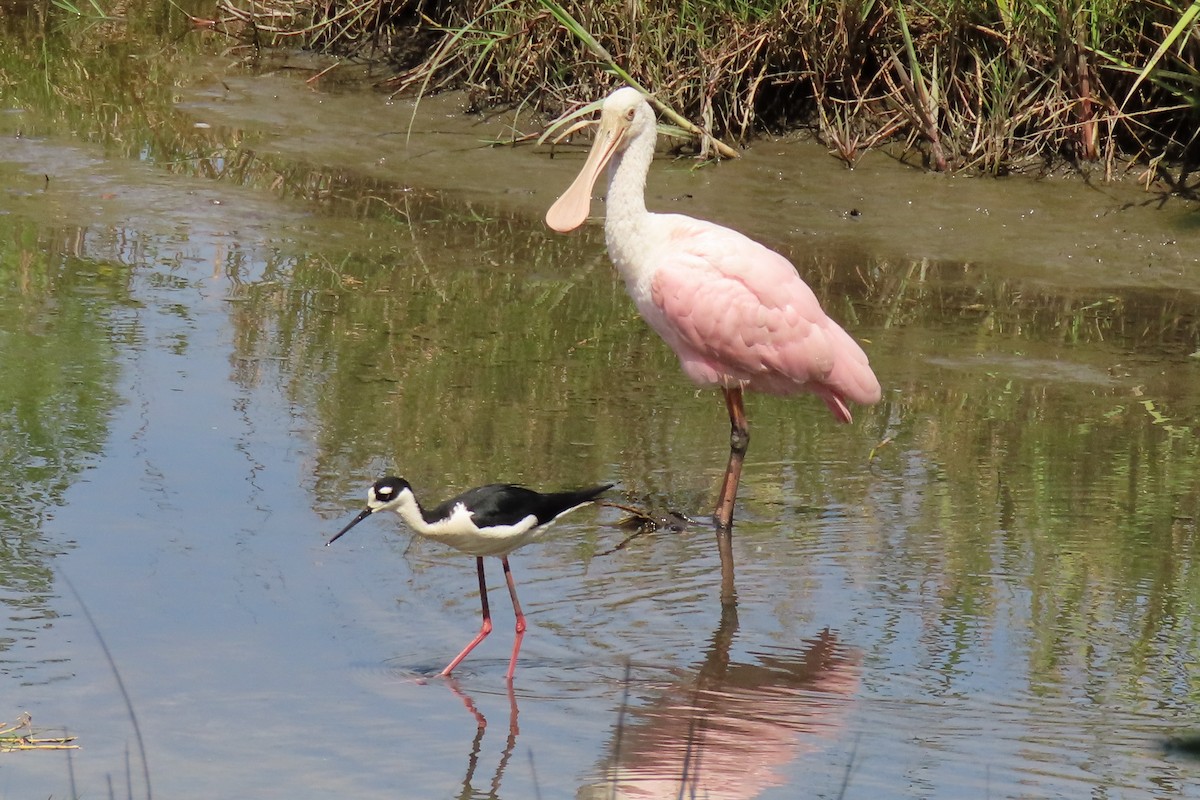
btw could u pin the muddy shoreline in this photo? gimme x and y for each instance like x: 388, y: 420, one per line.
x: 787, y: 191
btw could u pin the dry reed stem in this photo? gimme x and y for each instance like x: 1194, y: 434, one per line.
x: 19, y: 735
x: 994, y: 87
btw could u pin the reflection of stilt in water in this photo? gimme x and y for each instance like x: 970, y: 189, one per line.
x: 728, y: 730
x: 468, y: 788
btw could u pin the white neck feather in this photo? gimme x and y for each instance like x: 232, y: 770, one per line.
x: 410, y: 511
x: 625, y: 214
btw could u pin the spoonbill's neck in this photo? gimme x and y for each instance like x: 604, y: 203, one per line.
x: 625, y: 215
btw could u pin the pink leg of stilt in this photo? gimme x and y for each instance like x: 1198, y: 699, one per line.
x: 512, y: 591
x: 484, y: 629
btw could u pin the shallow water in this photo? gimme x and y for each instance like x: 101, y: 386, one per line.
x: 984, y: 587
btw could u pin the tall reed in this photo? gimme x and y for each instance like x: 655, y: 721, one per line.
x: 993, y: 86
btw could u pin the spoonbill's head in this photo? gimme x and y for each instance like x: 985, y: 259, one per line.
x: 625, y: 116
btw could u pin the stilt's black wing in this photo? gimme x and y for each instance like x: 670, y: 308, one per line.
x: 506, y: 504
x: 552, y: 505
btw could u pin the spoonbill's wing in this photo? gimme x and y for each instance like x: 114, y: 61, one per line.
x: 746, y: 311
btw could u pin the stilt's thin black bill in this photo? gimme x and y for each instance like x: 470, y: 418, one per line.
x: 366, y: 512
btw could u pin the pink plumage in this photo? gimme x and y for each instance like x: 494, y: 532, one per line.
x: 737, y: 313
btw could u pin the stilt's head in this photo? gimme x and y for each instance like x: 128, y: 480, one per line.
x: 386, y: 494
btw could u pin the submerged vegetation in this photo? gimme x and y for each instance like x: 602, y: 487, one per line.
x: 20, y: 735
x: 970, y: 86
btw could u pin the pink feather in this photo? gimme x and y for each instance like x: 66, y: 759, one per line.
x: 738, y: 313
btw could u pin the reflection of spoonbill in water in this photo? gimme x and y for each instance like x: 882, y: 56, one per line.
x: 731, y: 730
x: 491, y: 520
x: 736, y: 313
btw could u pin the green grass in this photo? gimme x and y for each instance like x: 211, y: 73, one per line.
x: 992, y: 87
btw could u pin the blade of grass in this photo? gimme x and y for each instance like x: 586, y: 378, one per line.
x: 1185, y: 22
x: 583, y: 35
x: 922, y: 103
x: 576, y: 116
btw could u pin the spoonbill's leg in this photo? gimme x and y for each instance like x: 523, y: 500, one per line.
x: 739, y: 440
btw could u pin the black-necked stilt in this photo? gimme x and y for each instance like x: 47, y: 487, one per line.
x: 491, y: 520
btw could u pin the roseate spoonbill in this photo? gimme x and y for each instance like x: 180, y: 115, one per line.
x: 736, y: 313
x: 491, y: 520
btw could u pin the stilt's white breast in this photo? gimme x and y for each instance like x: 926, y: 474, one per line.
x: 461, y: 531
